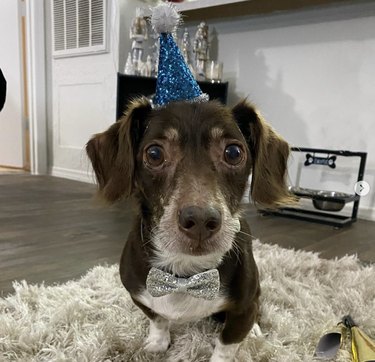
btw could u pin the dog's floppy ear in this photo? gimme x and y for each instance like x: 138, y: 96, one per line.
x: 112, y: 153
x: 270, y: 154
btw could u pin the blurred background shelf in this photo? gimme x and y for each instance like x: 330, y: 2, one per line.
x: 201, y: 4
x: 196, y: 10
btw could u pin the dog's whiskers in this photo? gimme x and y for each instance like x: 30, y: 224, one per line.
x: 247, y: 234
x: 142, y: 234
x: 236, y: 250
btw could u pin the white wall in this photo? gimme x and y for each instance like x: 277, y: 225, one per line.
x: 312, y: 74
x: 11, y: 141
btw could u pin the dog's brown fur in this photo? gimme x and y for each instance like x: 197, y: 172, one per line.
x: 193, y: 137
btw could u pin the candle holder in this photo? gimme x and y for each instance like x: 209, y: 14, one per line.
x: 214, y: 71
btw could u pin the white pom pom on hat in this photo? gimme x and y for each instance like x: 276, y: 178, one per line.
x: 165, y: 18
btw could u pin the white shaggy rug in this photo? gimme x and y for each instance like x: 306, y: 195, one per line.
x: 93, y: 319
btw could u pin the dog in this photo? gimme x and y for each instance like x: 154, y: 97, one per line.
x: 188, y: 165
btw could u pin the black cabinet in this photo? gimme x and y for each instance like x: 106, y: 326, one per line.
x: 131, y: 86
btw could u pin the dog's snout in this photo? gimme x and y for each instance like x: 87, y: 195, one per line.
x: 199, y: 223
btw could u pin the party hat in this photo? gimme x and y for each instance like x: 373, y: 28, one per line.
x: 330, y: 343
x: 175, y: 82
x: 363, y: 347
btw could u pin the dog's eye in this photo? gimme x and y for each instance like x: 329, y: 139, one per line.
x: 155, y: 155
x: 233, y: 154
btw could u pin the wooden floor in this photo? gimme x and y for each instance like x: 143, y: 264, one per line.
x: 53, y: 230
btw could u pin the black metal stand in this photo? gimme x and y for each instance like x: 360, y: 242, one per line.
x: 324, y: 217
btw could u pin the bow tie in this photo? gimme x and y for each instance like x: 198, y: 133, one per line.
x: 204, y: 285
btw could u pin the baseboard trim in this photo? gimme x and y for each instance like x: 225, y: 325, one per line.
x: 70, y: 174
x: 366, y: 213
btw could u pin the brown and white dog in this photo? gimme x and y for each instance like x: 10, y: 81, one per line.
x: 188, y: 165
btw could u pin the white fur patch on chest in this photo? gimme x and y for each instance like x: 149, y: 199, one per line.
x: 180, y: 307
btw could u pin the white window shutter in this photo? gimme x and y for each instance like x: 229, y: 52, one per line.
x: 79, y: 27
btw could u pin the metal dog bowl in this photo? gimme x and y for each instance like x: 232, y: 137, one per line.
x: 324, y: 200
x: 335, y: 201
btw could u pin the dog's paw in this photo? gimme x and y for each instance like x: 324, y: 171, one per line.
x: 256, y: 331
x: 224, y: 352
x: 159, y: 338
x: 156, y: 345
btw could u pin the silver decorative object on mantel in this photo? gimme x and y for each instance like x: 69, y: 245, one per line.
x: 186, y: 49
x: 146, y: 67
x: 155, y: 54
x: 201, y: 50
x: 129, y: 68
x: 138, y: 34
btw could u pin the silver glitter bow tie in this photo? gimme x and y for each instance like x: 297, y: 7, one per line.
x: 204, y: 285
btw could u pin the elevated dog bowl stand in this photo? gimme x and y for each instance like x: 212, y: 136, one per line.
x: 320, y: 216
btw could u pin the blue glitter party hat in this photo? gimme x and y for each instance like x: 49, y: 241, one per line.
x: 175, y: 82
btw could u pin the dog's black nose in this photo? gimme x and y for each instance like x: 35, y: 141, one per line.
x: 199, y: 223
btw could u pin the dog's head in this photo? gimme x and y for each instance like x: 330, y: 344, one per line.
x: 188, y: 164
